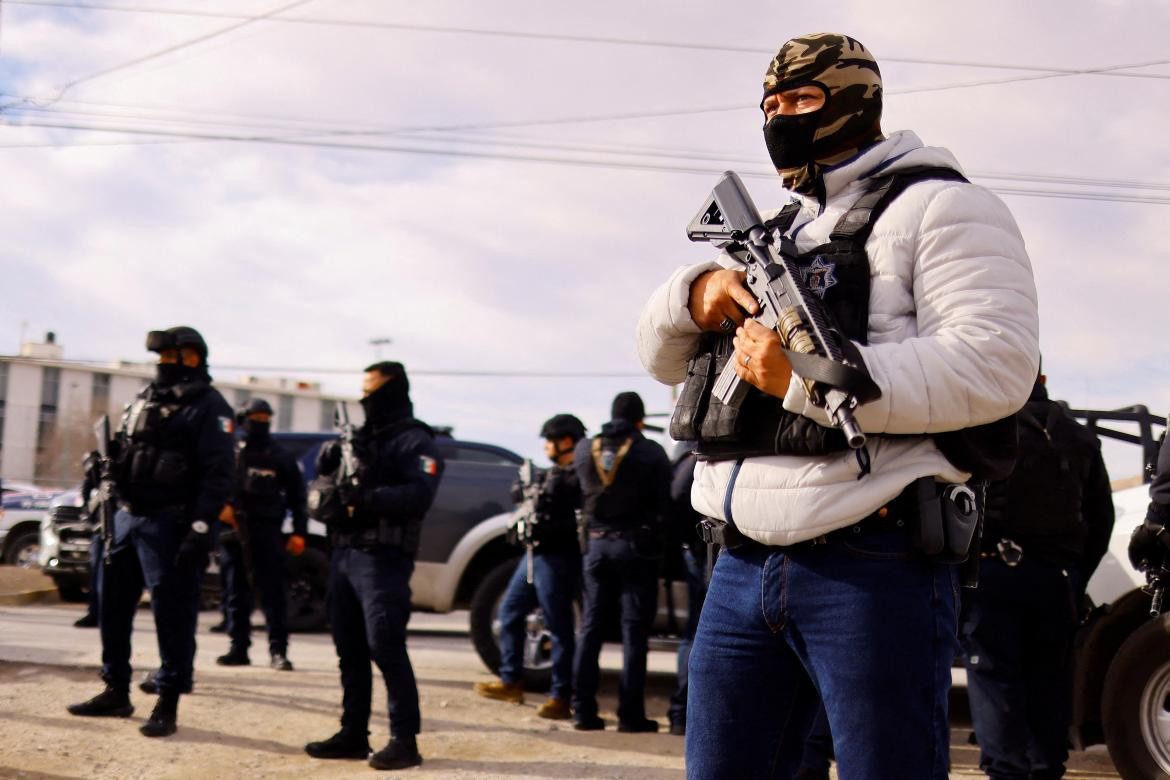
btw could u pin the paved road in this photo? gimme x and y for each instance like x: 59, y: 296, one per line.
x: 43, y: 634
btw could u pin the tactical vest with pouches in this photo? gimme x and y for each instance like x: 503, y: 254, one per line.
x: 838, y: 271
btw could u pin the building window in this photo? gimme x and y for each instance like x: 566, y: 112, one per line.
x: 284, y: 413
x: 50, y: 395
x: 328, y: 407
x: 243, y: 396
x: 100, y: 400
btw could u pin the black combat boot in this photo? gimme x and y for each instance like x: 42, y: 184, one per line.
x: 343, y: 744
x: 399, y: 753
x: 236, y: 656
x: 88, y: 620
x: 281, y: 663
x: 162, y: 720
x: 149, y: 684
x: 110, y: 703
x: 641, y: 726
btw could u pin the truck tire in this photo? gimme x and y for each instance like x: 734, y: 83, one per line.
x: 485, y: 603
x: 23, y: 548
x: 70, y: 591
x: 1135, y: 709
x: 308, y: 578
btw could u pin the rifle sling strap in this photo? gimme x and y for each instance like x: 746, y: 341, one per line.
x: 607, y: 475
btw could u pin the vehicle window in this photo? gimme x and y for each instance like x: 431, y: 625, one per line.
x: 475, y: 455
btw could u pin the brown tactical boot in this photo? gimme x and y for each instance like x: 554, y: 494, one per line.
x: 498, y: 689
x: 555, y: 709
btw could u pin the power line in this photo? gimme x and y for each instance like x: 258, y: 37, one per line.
x: 535, y: 158
x: 438, y: 372
x: 247, y: 20
x: 566, y: 37
x: 642, y: 151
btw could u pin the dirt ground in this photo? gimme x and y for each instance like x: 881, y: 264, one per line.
x: 252, y: 722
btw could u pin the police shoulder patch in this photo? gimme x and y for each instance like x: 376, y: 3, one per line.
x: 428, y: 465
x: 226, y: 425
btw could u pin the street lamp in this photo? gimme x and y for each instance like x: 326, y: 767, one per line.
x: 377, y: 344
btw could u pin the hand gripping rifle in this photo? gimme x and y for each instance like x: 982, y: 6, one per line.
x: 104, y: 486
x: 525, y: 517
x: 832, y: 374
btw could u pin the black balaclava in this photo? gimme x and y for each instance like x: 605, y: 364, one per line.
x: 256, y: 433
x: 802, y: 145
x: 391, y: 401
x: 170, y: 374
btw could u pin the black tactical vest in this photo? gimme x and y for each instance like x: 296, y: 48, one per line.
x: 153, y: 469
x: 838, y: 271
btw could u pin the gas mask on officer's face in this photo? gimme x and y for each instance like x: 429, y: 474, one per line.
x: 801, y: 146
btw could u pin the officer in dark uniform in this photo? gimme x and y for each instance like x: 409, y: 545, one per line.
x: 375, y: 537
x: 1150, y: 543
x: 1047, y: 526
x: 269, y: 483
x: 556, y: 572
x: 173, y: 467
x: 691, y: 555
x: 625, y: 479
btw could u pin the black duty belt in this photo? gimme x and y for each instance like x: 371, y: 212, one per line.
x: 611, y: 533
x: 148, y: 510
x: 888, y: 518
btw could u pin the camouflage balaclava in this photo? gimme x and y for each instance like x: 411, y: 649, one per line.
x: 801, y: 145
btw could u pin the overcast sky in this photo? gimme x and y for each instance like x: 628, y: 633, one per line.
x: 436, y: 234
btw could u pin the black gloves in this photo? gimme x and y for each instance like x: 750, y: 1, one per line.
x: 195, y: 549
x: 1149, y: 546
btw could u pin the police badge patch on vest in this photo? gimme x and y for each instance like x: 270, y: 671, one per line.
x: 818, y: 276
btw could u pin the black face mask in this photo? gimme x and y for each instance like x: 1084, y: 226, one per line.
x: 388, y: 401
x: 255, y: 431
x: 168, y: 374
x: 789, y: 138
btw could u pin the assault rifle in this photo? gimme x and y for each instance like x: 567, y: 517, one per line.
x: 239, y: 517
x: 348, y: 479
x: 525, y: 517
x: 104, y: 486
x: 821, y: 356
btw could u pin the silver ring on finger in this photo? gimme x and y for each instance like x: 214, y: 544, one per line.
x: 727, y: 325
x: 747, y: 359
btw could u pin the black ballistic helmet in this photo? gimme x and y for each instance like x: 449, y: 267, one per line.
x: 256, y: 406
x: 628, y: 406
x: 176, y: 338
x: 561, y: 425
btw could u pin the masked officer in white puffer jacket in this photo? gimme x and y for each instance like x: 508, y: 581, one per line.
x: 827, y: 592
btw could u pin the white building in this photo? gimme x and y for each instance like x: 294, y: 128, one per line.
x: 48, y: 406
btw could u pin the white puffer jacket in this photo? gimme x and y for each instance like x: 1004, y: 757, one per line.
x: 953, y: 343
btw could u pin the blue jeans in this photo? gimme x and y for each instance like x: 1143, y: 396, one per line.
x: 1017, y: 631
x: 862, y: 621
x: 554, y: 584
x: 144, y: 553
x: 369, y: 606
x: 615, y: 575
x: 267, y: 544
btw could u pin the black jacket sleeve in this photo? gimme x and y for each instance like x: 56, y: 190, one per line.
x: 215, y: 457
x: 419, y: 466
x: 293, y: 483
x: 1097, y: 510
